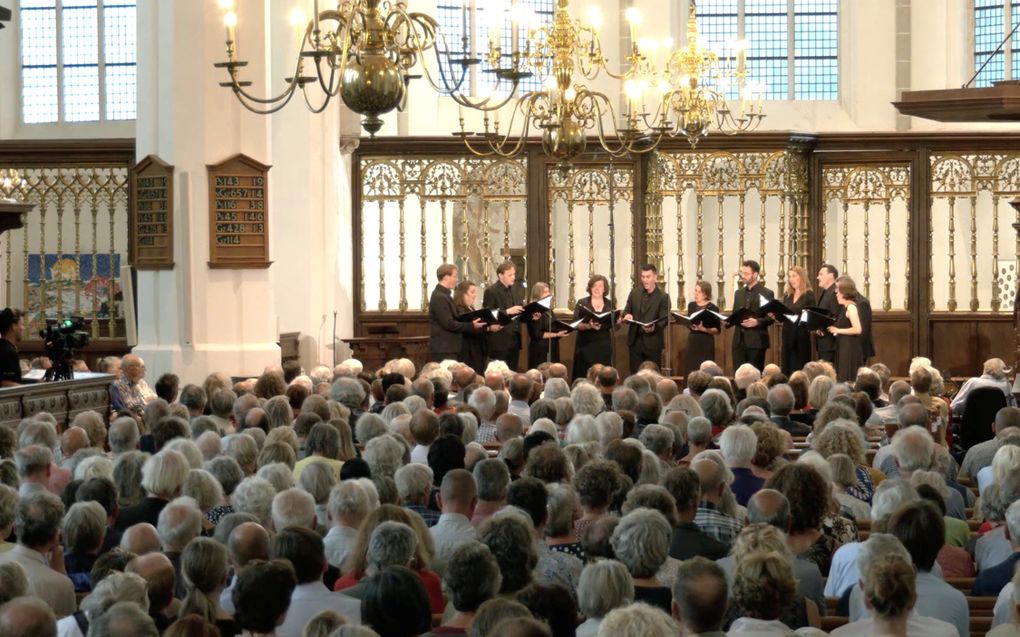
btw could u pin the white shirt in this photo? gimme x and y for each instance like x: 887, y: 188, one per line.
x: 420, y: 454
x: 311, y: 598
x: 917, y: 626
x: 590, y: 628
x: 338, y: 543
x: 68, y: 627
x: 749, y: 627
x: 992, y: 548
x: 1003, y: 612
x: 452, y: 530
x: 843, y: 572
x: 1004, y: 630
x: 227, y: 596
x: 935, y: 599
x: 985, y: 380
x: 984, y: 478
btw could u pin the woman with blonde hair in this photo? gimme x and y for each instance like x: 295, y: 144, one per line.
x: 796, y: 350
x: 543, y: 341
x: 764, y: 538
x: 763, y: 586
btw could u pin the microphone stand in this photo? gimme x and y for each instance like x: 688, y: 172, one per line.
x: 612, y: 269
x: 667, y: 367
x: 548, y: 354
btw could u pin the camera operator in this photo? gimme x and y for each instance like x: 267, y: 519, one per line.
x: 10, y: 335
x: 129, y: 394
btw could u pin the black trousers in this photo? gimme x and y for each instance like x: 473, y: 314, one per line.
x: 743, y: 355
x: 828, y: 356
x: 639, y: 354
x: 511, y: 357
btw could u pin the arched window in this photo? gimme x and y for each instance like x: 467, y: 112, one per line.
x: 78, y: 61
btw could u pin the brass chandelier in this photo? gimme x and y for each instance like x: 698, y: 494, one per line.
x: 367, y: 51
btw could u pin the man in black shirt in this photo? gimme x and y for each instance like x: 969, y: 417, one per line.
x: 10, y: 331
x: 751, y: 337
x: 646, y: 304
x: 825, y: 343
x: 444, y: 328
x: 505, y: 345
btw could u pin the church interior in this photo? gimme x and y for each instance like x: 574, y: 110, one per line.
x: 234, y: 189
x: 916, y: 210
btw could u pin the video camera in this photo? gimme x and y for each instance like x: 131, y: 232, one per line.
x: 61, y: 339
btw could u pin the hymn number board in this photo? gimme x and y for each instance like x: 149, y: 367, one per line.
x: 151, y: 245
x: 238, y: 214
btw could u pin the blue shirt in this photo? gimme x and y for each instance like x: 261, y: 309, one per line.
x: 745, y: 484
x: 990, y: 581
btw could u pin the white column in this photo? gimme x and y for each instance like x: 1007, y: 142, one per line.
x: 194, y: 320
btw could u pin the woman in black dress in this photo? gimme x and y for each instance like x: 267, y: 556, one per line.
x: 543, y: 342
x: 594, y: 339
x: 474, y: 348
x: 796, y: 350
x: 701, y: 340
x: 849, y: 350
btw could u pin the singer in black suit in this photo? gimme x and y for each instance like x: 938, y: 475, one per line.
x: 751, y: 338
x: 543, y: 342
x: 504, y: 295
x: 825, y: 343
x: 796, y: 350
x: 646, y: 304
x: 445, y: 330
x: 593, y: 342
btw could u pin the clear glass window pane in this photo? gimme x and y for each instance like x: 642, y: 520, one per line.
x: 81, y: 93
x: 121, y: 91
x: 39, y: 95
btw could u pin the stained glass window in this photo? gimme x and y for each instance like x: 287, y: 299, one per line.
x: 77, y: 60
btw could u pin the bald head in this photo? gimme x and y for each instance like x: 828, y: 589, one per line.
x: 72, y: 440
x: 913, y: 414
x: 140, y: 539
x: 768, y: 506
x: 710, y: 477
x: 494, y: 380
x: 158, y: 573
x: 558, y: 370
x: 27, y: 617
x: 509, y: 426
x: 247, y: 542
x: 1006, y: 417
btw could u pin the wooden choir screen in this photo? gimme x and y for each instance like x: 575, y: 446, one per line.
x: 591, y: 222
x: 920, y: 221
x: 417, y: 213
x: 716, y: 208
x: 67, y: 259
